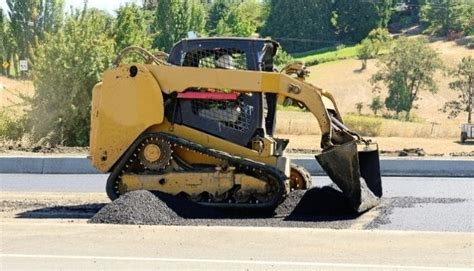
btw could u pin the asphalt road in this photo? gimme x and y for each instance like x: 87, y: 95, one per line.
x: 420, y: 204
x: 40, y: 245
x: 422, y: 224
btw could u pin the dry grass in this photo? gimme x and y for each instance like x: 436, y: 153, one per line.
x: 432, y: 146
x: 11, y: 90
x: 350, y: 86
x: 303, y: 123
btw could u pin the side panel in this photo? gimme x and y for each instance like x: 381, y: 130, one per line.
x: 123, y: 106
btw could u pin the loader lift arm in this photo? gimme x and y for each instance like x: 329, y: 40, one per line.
x: 320, y: 103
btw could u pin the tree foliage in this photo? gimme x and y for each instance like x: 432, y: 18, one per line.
x: 377, y: 40
x: 218, y: 11
x: 30, y: 19
x: 464, y: 85
x: 241, y: 20
x: 174, y: 19
x: 149, y: 4
x: 3, y: 40
x: 376, y: 105
x: 408, y: 69
x: 300, y: 25
x: 355, y: 19
x: 131, y: 28
x: 443, y: 16
x: 67, y: 65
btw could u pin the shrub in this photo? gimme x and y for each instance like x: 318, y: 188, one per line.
x: 67, y: 66
x: 12, y: 126
x: 365, y: 126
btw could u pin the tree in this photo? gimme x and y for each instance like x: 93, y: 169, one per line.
x: 282, y: 58
x: 443, y: 16
x: 51, y: 17
x: 174, y: 19
x: 359, y: 107
x: 217, y: 12
x: 376, y: 104
x: 150, y: 4
x: 355, y: 19
x: 240, y: 20
x: 371, y: 46
x: 30, y: 19
x: 407, y: 70
x: 8, y: 46
x: 365, y: 52
x: 464, y: 85
x: 67, y: 65
x: 300, y: 25
x: 198, y: 17
x: 131, y: 28
x: 3, y: 41
x: 24, y: 16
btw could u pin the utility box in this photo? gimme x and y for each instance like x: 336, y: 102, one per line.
x: 467, y: 132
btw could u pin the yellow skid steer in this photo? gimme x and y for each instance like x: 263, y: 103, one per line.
x: 200, y: 122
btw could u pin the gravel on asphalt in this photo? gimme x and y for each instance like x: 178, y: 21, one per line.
x: 316, y: 206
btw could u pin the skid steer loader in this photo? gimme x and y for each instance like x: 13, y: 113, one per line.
x: 199, y: 123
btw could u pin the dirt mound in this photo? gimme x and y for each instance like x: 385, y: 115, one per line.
x: 139, y: 208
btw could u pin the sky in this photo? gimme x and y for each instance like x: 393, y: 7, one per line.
x: 109, y: 5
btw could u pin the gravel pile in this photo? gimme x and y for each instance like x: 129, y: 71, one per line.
x: 146, y: 208
x: 139, y: 208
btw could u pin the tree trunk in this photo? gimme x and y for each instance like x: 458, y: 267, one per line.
x: 470, y: 101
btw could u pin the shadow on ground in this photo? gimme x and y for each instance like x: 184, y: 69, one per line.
x: 316, y: 204
x: 469, y: 142
x: 322, y: 204
x: 319, y: 204
x: 65, y: 212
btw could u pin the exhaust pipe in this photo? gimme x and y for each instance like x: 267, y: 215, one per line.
x: 355, y: 168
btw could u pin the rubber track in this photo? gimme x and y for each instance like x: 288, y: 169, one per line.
x: 242, y: 165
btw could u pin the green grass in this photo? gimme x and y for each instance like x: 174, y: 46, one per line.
x: 327, y: 54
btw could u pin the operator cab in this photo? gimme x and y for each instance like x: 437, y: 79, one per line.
x: 233, y: 116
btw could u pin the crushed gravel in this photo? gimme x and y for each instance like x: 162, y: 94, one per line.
x: 137, y: 207
x: 317, y: 207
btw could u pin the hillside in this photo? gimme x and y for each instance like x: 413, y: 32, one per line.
x: 350, y: 86
x: 10, y: 90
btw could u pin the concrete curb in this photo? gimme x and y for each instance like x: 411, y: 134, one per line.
x: 46, y: 165
x: 408, y: 167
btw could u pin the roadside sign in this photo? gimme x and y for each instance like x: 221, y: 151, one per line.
x: 23, y: 65
x: 6, y: 64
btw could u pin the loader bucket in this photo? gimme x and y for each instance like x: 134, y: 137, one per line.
x: 355, y: 172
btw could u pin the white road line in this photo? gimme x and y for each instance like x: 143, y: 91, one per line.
x: 215, y: 261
